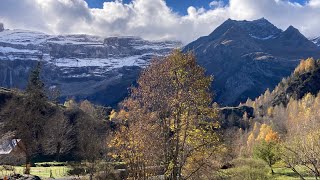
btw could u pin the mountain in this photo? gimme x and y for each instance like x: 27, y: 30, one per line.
x: 247, y: 57
x: 316, y: 41
x: 82, y: 66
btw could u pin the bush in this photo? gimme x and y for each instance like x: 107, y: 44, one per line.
x: 77, y: 171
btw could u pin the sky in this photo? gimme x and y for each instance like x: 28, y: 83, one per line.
x: 184, y: 20
x: 179, y: 6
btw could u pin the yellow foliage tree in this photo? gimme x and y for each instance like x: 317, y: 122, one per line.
x: 169, y: 123
x: 305, y: 66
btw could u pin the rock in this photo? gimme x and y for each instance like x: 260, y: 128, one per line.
x: 237, y: 111
x: 23, y: 177
x: 233, y: 116
x: 1, y: 27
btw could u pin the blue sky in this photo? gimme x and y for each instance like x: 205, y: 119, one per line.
x: 179, y: 6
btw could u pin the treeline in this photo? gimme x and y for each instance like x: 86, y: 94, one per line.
x: 48, y: 130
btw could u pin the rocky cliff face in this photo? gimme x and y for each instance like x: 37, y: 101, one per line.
x: 316, y: 41
x: 82, y: 66
x: 247, y: 57
x: 1, y: 27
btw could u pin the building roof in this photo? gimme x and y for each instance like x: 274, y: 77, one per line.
x: 7, y: 146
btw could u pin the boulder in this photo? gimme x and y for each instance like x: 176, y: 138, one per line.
x: 23, y: 177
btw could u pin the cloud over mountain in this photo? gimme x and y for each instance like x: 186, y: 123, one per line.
x: 152, y: 19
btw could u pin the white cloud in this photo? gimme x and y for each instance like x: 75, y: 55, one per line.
x: 216, y: 4
x: 152, y: 19
x: 315, y: 3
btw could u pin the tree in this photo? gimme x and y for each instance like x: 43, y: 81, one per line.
x: 58, y: 137
x: 35, y: 85
x: 26, y: 114
x: 268, y: 151
x: 71, y: 104
x: 54, y: 94
x: 90, y: 133
x: 170, y: 122
x: 302, y: 146
x: 304, y: 150
x: 306, y: 66
x: 90, y: 143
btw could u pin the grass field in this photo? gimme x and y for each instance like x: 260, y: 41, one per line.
x: 281, y: 172
x: 255, y: 169
x: 43, y: 172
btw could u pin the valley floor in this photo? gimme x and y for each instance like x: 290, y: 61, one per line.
x: 61, y: 172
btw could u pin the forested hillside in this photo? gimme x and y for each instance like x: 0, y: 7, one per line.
x: 285, y: 126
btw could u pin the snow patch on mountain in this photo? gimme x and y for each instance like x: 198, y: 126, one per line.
x: 110, y: 63
x: 264, y: 38
x: 6, y: 50
x: 22, y: 37
x: 316, y: 41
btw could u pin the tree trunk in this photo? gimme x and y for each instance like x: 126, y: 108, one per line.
x: 58, y: 152
x: 294, y: 170
x: 28, y: 164
x: 316, y: 171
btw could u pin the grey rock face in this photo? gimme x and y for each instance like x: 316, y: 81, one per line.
x: 82, y: 66
x: 232, y: 116
x: 1, y: 27
x: 260, y: 29
x: 247, y: 57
